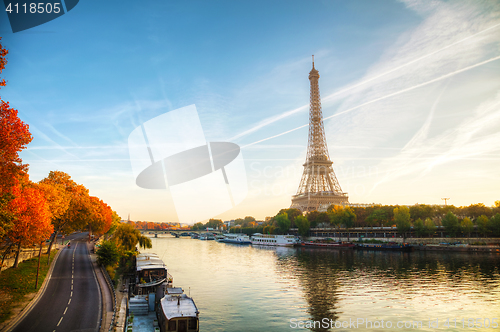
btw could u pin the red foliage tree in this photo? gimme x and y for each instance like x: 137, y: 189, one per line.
x: 31, y: 217
x: 14, y: 136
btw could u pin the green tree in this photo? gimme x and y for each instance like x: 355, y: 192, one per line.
x: 419, y: 227
x: 107, y: 254
x: 197, y: 227
x: 476, y: 210
x: 482, y: 223
x: 402, y: 219
x: 494, y: 225
x: 214, y: 223
x: 303, y: 225
x: 311, y: 217
x: 322, y: 219
x: 377, y: 217
x: 342, y: 215
x: 421, y: 211
x: 127, y: 238
x: 283, y: 222
x: 429, y: 227
x: 467, y: 226
x: 451, y: 224
x: 268, y: 229
x: 349, y: 218
x: 335, y: 214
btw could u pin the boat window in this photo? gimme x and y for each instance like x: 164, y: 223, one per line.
x: 193, y: 324
x: 172, y: 325
x: 182, y: 325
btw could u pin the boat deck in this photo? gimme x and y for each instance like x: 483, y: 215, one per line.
x: 145, y: 323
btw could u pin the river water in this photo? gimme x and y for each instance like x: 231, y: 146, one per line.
x: 251, y: 288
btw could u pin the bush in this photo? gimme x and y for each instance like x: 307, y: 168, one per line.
x: 107, y: 254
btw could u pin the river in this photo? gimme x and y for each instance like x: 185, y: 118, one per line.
x: 251, y: 288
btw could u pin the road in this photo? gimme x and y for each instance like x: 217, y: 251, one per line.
x: 71, y: 301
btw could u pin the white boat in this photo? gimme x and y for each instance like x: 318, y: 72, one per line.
x: 207, y: 236
x: 236, y: 238
x: 274, y: 240
x: 178, y: 312
x: 220, y: 237
x: 151, y: 271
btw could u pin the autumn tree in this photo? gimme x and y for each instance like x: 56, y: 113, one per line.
x: 14, y: 136
x: 100, y: 216
x: 71, y: 201
x: 115, y: 222
x: 31, y: 217
x: 402, y: 220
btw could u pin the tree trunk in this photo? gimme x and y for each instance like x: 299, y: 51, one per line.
x: 38, y: 268
x: 50, y: 246
x: 5, y: 255
x: 16, y: 262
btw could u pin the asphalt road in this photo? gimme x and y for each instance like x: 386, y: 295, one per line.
x: 72, y: 299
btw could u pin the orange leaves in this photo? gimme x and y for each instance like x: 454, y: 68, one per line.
x: 101, y: 216
x: 3, y: 61
x: 14, y: 137
x: 31, y: 215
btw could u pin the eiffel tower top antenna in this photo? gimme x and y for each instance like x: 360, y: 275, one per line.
x: 319, y: 185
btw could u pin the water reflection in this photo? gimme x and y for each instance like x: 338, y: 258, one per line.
x: 245, y: 288
x: 349, y: 284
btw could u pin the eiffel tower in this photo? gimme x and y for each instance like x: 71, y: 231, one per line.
x: 319, y: 185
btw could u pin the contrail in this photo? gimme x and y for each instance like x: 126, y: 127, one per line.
x: 409, y: 63
x: 283, y: 115
x: 384, y: 97
x: 266, y: 139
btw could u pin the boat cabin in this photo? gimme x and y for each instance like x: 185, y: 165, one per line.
x: 177, y: 312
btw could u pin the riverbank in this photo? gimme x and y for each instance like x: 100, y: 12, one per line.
x: 17, y: 286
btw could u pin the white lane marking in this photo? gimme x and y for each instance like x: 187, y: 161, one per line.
x: 60, y: 320
x: 71, y: 287
x: 69, y: 301
x: 71, y: 294
x: 65, y: 311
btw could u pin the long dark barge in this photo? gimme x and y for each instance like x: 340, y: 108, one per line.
x: 330, y: 245
x: 390, y: 246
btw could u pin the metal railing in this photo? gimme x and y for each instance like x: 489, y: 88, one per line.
x: 111, y: 287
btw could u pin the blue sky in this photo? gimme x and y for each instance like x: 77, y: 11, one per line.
x: 410, y: 94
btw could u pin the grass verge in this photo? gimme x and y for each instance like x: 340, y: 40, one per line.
x: 16, y: 283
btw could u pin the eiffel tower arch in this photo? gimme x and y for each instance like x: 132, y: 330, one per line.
x: 318, y: 185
